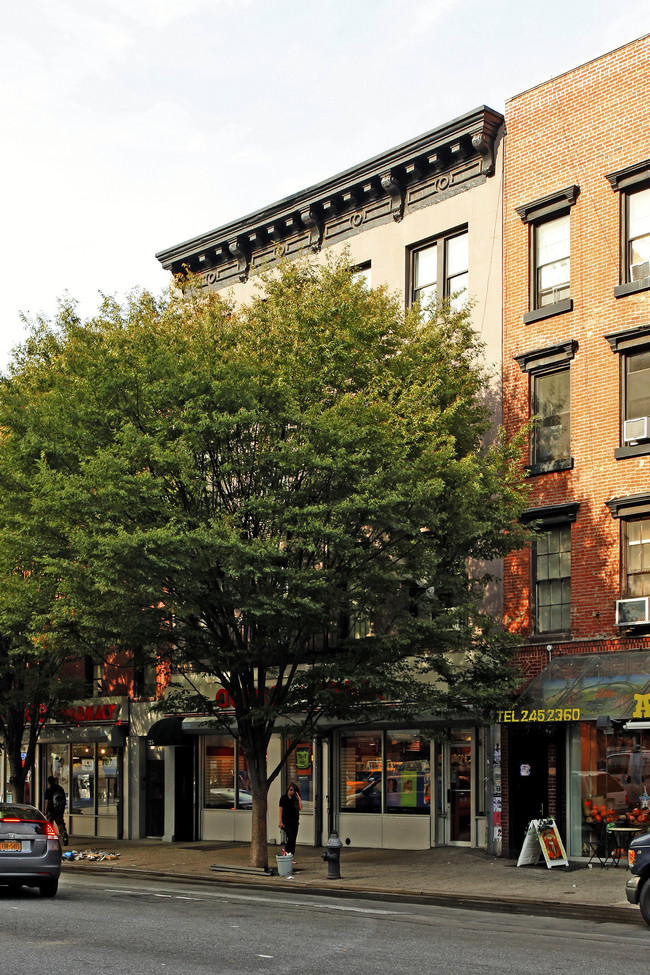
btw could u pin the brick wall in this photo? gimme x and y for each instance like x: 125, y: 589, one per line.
x: 573, y: 130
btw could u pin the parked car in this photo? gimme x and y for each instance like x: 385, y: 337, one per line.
x: 30, y: 849
x: 637, y: 888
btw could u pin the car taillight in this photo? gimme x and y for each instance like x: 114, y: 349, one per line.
x: 50, y: 831
x: 9, y: 819
x: 630, y: 857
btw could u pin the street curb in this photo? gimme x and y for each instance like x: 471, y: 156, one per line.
x: 500, y: 905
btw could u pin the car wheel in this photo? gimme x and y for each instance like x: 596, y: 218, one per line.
x: 644, y: 902
x: 48, y: 888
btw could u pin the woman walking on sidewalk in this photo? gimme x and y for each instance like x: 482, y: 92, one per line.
x: 290, y: 809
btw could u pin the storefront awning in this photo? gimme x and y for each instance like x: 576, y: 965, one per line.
x: 597, y: 685
x: 167, y: 731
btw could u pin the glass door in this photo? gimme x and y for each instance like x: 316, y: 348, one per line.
x: 459, y: 790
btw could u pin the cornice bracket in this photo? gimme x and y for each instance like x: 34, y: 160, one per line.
x: 392, y: 185
x: 239, y: 249
x: 484, y: 145
x: 312, y: 221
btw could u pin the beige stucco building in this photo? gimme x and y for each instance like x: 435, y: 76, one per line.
x: 424, y: 217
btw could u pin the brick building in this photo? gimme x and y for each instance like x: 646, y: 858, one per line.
x: 577, y: 359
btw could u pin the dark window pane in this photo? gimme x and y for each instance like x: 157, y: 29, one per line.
x: 552, y: 409
x: 638, y: 557
x: 553, y: 580
x: 637, y: 385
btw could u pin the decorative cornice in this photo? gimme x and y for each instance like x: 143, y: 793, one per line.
x: 387, y: 187
x: 629, y: 338
x: 551, y: 203
x: 552, y: 513
x: 633, y: 504
x: 550, y: 355
x: 636, y: 173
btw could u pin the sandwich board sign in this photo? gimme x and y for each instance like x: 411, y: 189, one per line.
x: 543, y: 837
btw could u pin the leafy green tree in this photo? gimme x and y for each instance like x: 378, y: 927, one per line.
x: 286, y: 496
x: 32, y: 656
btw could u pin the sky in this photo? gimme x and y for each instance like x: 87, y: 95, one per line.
x: 132, y: 125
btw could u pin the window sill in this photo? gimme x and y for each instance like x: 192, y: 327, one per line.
x: 556, y: 636
x: 631, y: 287
x: 632, y: 450
x: 550, y: 467
x: 559, y: 308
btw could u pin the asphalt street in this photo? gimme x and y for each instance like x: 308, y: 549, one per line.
x: 110, y: 926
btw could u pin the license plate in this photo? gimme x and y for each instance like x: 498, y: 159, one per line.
x: 7, y: 845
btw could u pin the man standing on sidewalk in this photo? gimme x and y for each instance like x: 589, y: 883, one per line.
x: 55, y: 803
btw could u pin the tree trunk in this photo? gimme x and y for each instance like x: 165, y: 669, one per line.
x: 17, y: 771
x: 259, y: 839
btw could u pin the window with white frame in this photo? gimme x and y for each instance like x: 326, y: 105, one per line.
x: 552, y: 261
x: 633, y: 185
x: 549, y: 223
x: 636, y: 557
x: 363, y: 274
x: 440, y: 269
x: 637, y: 232
x: 633, y: 346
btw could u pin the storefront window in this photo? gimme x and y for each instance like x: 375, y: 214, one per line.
x: 300, y: 769
x: 612, y: 783
x: 106, y: 781
x: 219, y: 772
x: 394, y: 777
x: 360, y: 773
x: 408, y: 773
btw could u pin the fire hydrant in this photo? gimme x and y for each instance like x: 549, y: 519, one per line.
x: 332, y: 856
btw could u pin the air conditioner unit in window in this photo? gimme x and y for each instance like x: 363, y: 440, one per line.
x: 640, y: 271
x: 632, y: 612
x: 636, y: 429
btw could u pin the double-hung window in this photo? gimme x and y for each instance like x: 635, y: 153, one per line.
x: 633, y: 184
x: 440, y: 269
x: 633, y: 346
x: 638, y: 235
x: 552, y: 261
x: 551, y: 439
x: 551, y: 568
x: 553, y: 580
x: 634, y: 514
x: 550, y: 406
x: 636, y: 557
x: 549, y: 223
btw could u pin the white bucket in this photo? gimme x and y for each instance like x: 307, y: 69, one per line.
x: 285, y: 865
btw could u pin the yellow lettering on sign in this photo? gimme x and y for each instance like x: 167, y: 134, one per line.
x: 642, y: 709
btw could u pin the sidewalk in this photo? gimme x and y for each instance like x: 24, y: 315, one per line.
x: 450, y: 876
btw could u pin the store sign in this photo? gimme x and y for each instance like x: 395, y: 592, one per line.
x: 539, y: 714
x: 85, y: 713
x: 642, y: 709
